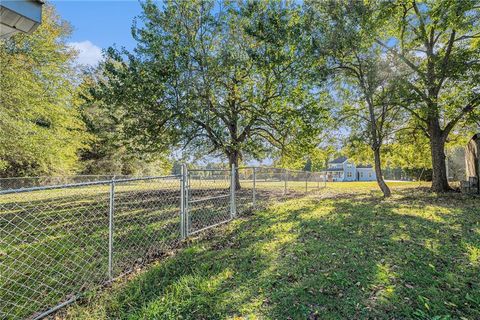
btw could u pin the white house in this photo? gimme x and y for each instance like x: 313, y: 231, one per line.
x: 341, y: 169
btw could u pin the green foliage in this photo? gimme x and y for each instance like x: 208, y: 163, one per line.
x: 41, y: 130
x: 108, y: 153
x: 309, y: 159
x: 434, y: 45
x: 221, y: 80
x: 420, y: 55
x: 362, y: 76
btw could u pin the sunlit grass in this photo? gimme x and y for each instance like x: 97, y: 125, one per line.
x: 343, y: 252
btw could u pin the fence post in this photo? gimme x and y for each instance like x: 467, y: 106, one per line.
x: 111, y: 212
x: 254, y: 186
x: 183, y: 202
x: 306, y: 181
x: 285, y: 178
x: 233, y: 209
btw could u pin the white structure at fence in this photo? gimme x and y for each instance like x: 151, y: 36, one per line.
x: 58, y: 241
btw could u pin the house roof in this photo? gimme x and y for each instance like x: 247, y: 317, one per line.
x: 361, y: 166
x: 332, y: 169
x: 19, y: 16
x: 339, y: 160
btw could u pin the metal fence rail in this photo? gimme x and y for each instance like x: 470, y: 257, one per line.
x: 39, y: 181
x: 58, y: 241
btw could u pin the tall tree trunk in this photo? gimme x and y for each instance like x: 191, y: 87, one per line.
x: 233, y: 159
x: 376, y: 144
x: 437, y: 149
x: 378, y: 172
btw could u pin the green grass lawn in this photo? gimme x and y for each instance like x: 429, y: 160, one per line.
x: 54, y: 243
x: 341, y: 253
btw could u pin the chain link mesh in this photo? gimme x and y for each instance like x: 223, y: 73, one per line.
x: 244, y: 197
x: 57, y: 242
x: 53, y: 244
x: 209, y: 198
x: 146, y: 221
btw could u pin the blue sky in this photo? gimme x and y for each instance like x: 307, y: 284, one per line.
x: 98, y: 25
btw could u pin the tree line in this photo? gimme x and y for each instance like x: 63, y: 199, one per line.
x: 245, y: 80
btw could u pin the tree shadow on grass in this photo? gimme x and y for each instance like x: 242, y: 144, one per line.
x: 347, y: 257
x: 378, y: 260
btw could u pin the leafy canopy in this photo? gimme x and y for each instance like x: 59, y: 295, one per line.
x: 41, y: 130
x: 215, y: 77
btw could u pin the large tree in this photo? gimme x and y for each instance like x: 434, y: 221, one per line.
x: 217, y: 77
x: 438, y: 44
x: 41, y: 130
x: 344, y: 32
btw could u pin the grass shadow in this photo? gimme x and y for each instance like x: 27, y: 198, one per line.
x: 324, y: 257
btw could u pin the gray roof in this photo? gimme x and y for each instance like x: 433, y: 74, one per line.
x: 339, y: 160
x: 361, y: 166
x: 332, y: 169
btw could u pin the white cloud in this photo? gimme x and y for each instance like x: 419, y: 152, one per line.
x: 88, y: 53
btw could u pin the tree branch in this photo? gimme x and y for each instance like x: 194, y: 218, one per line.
x: 414, y: 113
x: 403, y: 58
x: 213, y: 137
x: 465, y: 37
x: 468, y: 108
x: 445, y: 61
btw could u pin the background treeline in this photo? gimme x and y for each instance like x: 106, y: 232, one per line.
x: 41, y: 130
x: 46, y: 127
x: 389, y: 83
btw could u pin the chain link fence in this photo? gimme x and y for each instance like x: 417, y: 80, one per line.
x: 59, y: 241
x: 39, y: 181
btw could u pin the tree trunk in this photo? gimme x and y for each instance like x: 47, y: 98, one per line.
x: 437, y: 149
x: 376, y: 144
x: 233, y: 159
x: 378, y: 172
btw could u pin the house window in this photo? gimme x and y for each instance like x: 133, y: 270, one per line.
x: 361, y: 174
x: 349, y: 174
x: 370, y: 175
